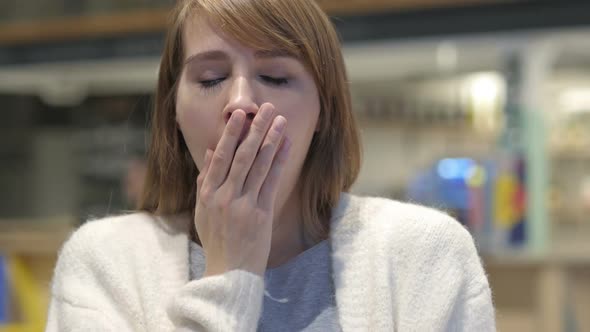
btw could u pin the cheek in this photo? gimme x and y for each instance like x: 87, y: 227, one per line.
x: 196, y: 124
x: 302, y: 118
x: 302, y: 121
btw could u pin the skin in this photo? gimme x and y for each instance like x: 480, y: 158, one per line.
x: 232, y: 101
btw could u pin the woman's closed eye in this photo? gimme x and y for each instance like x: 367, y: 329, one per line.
x: 211, y: 83
x: 277, y: 81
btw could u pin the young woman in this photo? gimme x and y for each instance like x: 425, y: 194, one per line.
x: 245, y: 222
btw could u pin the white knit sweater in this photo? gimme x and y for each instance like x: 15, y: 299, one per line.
x: 396, y: 266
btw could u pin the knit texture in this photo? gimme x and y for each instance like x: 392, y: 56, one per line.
x: 396, y: 266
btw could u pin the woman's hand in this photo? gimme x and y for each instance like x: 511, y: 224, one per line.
x: 236, y: 193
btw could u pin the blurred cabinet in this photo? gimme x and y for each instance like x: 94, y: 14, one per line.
x: 540, y: 294
x: 31, y: 253
x: 44, y: 9
x: 31, y: 10
x: 29, y: 21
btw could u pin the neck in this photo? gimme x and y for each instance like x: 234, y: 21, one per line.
x: 288, y: 238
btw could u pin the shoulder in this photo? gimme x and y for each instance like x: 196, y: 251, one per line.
x: 109, y: 252
x: 409, y: 223
x: 121, y: 232
x: 113, y: 239
x: 120, y: 242
x: 420, y: 249
x: 419, y: 237
x: 413, y: 234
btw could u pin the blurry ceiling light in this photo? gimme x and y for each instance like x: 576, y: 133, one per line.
x: 575, y: 100
x: 485, y: 88
x: 446, y: 56
x: 485, y: 95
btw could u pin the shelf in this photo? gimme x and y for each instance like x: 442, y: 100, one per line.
x: 91, y: 26
x: 155, y: 20
x: 567, y: 154
x: 575, y: 252
x: 28, y: 238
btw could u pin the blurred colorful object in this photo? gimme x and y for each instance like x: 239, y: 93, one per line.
x: 27, y: 297
x: 489, y: 198
x: 4, y: 296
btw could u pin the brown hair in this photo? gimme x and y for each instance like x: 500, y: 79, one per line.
x: 299, y: 27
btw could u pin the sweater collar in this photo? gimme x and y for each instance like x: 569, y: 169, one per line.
x: 350, y: 263
x: 348, y: 258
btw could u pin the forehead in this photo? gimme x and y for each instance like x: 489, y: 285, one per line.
x: 201, y: 34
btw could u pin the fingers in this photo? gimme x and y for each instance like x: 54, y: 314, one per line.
x: 203, y: 171
x: 224, y: 152
x: 264, y: 159
x: 270, y: 187
x: 249, y: 148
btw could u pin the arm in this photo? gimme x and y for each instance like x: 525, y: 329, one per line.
x: 82, y: 294
x: 475, y: 313
x: 96, y: 289
x: 64, y: 316
x: 474, y: 308
x: 228, y: 302
x: 441, y: 283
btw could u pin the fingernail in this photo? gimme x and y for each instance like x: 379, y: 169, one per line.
x: 266, y: 111
x: 280, y: 123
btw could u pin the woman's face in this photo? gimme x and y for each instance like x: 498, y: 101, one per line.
x: 221, y: 75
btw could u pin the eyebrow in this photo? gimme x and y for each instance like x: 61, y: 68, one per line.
x: 208, y: 55
x: 221, y: 55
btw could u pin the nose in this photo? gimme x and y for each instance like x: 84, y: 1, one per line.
x: 242, y: 97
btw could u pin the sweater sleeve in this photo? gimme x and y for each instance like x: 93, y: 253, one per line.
x: 63, y: 316
x: 475, y: 313
x: 474, y: 308
x: 443, y: 277
x: 96, y: 288
x: 228, y: 302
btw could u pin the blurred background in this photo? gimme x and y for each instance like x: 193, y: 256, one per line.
x: 477, y: 107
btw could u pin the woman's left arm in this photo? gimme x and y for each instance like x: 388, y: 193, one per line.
x: 474, y: 308
x: 474, y: 311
